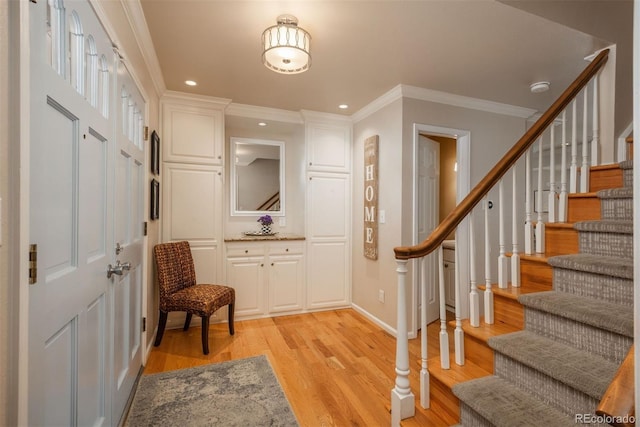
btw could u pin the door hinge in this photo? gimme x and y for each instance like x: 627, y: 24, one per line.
x: 144, y: 324
x: 33, y: 264
x: 145, y: 227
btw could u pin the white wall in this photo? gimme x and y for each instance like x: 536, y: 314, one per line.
x: 490, y: 134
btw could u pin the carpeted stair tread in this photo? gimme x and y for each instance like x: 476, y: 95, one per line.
x: 607, y: 226
x: 600, y: 314
x: 503, y: 404
x: 578, y: 369
x: 597, y: 264
x: 626, y: 164
x: 616, y: 193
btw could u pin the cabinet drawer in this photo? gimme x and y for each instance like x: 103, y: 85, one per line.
x: 285, y: 248
x: 449, y: 255
x: 244, y: 251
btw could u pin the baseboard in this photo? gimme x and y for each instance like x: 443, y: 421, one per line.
x: 374, y: 319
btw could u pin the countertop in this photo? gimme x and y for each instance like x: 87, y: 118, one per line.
x: 256, y: 238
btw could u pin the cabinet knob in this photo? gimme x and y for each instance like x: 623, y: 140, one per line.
x: 261, y: 265
x: 446, y: 266
x: 310, y: 163
x: 219, y: 157
x: 246, y: 251
x: 271, y: 264
x: 287, y: 250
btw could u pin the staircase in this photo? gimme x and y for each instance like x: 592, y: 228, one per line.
x: 558, y: 340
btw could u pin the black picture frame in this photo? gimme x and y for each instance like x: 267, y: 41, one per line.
x: 155, y: 153
x: 154, y: 207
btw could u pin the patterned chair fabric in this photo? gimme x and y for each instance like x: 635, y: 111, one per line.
x: 180, y: 292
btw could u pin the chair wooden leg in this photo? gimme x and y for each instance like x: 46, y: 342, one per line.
x: 205, y: 335
x: 187, y: 322
x: 231, y: 328
x: 162, y: 323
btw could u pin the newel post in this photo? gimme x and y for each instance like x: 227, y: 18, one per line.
x: 402, y: 399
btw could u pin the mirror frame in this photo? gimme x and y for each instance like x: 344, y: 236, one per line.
x: 233, y: 181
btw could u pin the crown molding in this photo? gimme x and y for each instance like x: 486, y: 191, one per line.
x: 378, y: 104
x: 466, y: 102
x: 192, y: 99
x: 135, y: 16
x: 263, y: 113
x: 317, y: 116
x: 429, y: 95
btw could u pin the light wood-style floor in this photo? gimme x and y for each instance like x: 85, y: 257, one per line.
x: 335, y: 367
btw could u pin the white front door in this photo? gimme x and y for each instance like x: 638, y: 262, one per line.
x: 72, y: 185
x: 428, y: 219
x: 129, y: 212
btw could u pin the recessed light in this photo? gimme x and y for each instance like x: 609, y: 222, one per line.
x: 190, y: 83
x: 343, y: 106
x: 262, y: 124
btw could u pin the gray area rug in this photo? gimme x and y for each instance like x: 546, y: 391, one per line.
x: 241, y: 392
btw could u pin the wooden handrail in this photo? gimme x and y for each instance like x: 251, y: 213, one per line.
x: 618, y: 402
x: 269, y: 202
x: 454, y: 218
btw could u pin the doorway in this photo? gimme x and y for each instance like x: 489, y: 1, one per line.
x: 439, y: 185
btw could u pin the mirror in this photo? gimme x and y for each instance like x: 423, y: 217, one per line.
x: 257, y: 177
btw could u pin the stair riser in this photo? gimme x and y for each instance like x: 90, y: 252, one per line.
x: 535, y: 272
x: 583, y: 209
x: 606, y: 344
x: 478, y: 352
x: 606, y: 288
x: 606, y: 244
x: 470, y: 418
x: 617, y: 209
x: 443, y: 401
x: 600, y: 179
x: 545, y: 388
x: 508, y: 311
x: 560, y: 241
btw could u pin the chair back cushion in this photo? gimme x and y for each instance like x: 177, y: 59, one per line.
x: 175, y: 267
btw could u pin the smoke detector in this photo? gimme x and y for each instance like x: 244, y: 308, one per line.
x: 540, y: 87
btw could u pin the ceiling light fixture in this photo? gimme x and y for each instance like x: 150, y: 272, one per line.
x: 343, y: 106
x: 286, y: 46
x: 190, y: 83
x: 539, y: 87
x: 262, y: 124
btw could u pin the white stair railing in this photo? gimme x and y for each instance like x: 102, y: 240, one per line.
x: 564, y: 110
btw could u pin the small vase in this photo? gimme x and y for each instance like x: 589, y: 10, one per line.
x: 266, y: 229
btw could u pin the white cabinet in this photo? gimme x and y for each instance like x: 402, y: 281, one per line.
x: 449, y: 258
x: 328, y: 146
x: 193, y: 130
x: 268, y: 276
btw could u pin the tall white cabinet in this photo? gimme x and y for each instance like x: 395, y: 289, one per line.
x: 328, y: 210
x: 192, y: 180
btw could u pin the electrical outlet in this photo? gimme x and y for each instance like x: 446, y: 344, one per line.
x: 381, y: 295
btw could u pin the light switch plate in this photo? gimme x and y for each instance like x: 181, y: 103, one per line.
x: 381, y: 216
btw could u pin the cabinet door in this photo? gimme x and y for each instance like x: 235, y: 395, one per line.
x: 286, y: 280
x: 327, y: 276
x: 192, y: 134
x: 246, y: 276
x: 329, y: 147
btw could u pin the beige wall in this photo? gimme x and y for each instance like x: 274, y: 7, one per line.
x: 491, y: 136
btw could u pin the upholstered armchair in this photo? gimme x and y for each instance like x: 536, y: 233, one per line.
x: 180, y: 292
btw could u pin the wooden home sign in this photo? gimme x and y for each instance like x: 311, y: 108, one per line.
x: 371, y: 197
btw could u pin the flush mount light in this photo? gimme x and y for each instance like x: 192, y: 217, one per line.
x: 286, y: 46
x: 539, y: 87
x: 190, y: 83
x: 262, y: 124
x: 343, y: 106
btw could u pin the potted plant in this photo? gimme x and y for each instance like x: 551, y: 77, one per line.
x: 265, y: 221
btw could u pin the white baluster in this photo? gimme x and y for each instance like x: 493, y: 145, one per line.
x: 444, y: 335
x: 424, y: 373
x: 563, y: 201
x: 552, y: 216
x: 402, y: 398
x: 515, y: 255
x: 573, y: 169
x: 595, y: 139
x: 540, y: 221
x: 584, y: 170
x: 503, y: 262
x: 458, y: 333
x: 474, y: 297
x: 528, y: 224
x: 488, y: 293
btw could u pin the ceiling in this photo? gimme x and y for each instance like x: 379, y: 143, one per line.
x: 361, y: 49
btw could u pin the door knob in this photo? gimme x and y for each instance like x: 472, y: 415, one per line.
x: 118, y: 269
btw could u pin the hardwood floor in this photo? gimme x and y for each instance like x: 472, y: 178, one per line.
x: 336, y: 367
